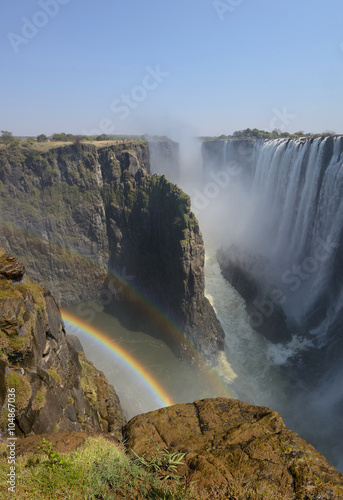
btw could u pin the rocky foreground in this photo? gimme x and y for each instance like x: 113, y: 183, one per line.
x: 226, y: 442
x: 60, y: 395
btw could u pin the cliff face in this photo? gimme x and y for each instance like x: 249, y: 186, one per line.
x: 53, y: 218
x: 156, y: 239
x: 56, y: 388
x: 75, y: 213
x: 250, y: 278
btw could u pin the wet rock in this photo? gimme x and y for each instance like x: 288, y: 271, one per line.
x: 250, y: 276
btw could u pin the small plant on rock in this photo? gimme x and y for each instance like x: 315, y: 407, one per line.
x: 54, y: 457
x: 164, y: 464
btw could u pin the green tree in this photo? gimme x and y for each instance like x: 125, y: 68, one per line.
x: 29, y: 141
x: 42, y: 138
x: 62, y: 137
x: 6, y: 137
x: 58, y: 137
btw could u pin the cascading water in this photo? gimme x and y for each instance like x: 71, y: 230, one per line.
x: 297, y: 221
x: 280, y: 219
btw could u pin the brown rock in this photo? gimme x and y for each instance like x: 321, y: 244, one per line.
x: 10, y: 267
x: 227, y: 440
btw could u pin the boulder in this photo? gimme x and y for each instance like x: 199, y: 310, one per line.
x: 228, y: 441
x: 11, y: 267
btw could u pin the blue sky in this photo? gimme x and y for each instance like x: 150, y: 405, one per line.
x: 203, y: 67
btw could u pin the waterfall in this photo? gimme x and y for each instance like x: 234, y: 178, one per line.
x: 276, y: 208
x: 299, y: 184
x: 225, y: 153
x: 295, y: 191
x: 280, y: 221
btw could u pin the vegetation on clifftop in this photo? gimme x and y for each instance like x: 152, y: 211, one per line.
x: 100, y: 469
x: 255, y: 133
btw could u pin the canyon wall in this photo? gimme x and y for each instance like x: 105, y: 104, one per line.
x: 87, y: 220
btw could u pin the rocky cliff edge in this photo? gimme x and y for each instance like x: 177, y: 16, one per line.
x: 230, y: 444
x: 56, y: 388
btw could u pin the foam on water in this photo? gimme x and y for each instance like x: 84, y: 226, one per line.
x: 248, y: 368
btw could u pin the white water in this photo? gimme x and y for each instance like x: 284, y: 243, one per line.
x: 254, y: 376
x: 297, y: 191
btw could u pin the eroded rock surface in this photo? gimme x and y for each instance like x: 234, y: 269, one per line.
x: 56, y: 387
x: 11, y: 267
x: 227, y: 440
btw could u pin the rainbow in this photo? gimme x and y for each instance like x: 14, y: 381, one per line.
x: 173, y: 331
x: 124, y: 357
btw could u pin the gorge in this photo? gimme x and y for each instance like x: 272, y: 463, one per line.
x: 89, y: 221
x: 79, y: 216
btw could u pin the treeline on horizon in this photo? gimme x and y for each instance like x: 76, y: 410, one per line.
x: 255, y: 133
x: 9, y: 139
